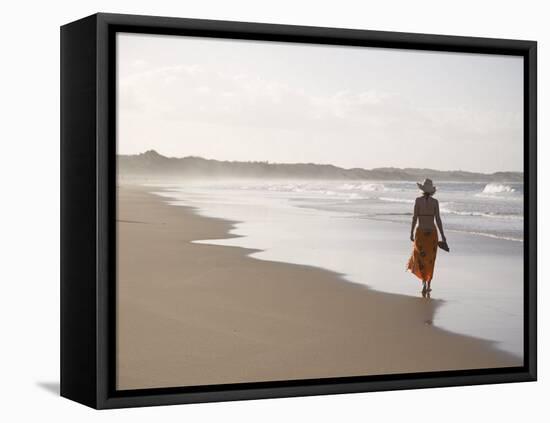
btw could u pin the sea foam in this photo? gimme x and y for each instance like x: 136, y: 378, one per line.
x: 497, y: 189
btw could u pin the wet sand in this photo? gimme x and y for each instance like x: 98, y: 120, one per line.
x: 196, y: 314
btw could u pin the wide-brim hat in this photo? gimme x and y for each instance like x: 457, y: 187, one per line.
x: 427, y: 187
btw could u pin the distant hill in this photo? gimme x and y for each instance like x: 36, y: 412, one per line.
x: 153, y: 164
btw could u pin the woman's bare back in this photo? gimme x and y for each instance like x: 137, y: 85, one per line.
x: 426, y: 208
x: 426, y: 212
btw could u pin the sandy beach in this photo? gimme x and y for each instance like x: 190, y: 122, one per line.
x: 196, y: 314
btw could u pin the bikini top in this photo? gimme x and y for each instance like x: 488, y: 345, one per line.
x: 431, y: 215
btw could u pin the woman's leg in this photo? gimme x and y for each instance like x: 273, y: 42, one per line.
x: 429, y: 285
x: 423, y: 286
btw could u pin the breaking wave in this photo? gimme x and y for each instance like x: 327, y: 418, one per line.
x: 397, y: 200
x: 370, y: 187
x: 497, y: 189
x: 492, y: 215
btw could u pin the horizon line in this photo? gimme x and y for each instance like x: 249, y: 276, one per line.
x: 317, y: 164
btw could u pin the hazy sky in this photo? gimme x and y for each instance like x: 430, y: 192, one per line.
x: 349, y: 106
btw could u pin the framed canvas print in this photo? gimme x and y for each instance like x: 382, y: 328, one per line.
x: 256, y: 210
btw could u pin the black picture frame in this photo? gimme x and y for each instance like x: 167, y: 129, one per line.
x: 88, y: 161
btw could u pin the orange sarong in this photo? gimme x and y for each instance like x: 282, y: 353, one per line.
x: 422, y: 259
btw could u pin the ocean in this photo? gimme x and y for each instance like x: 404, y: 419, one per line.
x: 488, y: 209
x: 360, y: 229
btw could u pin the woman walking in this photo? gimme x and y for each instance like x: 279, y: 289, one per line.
x: 424, y: 236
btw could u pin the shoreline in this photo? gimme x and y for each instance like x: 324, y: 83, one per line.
x: 196, y: 314
x: 477, y: 281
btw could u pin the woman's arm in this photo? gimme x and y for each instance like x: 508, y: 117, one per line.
x: 438, y: 221
x: 414, y: 220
